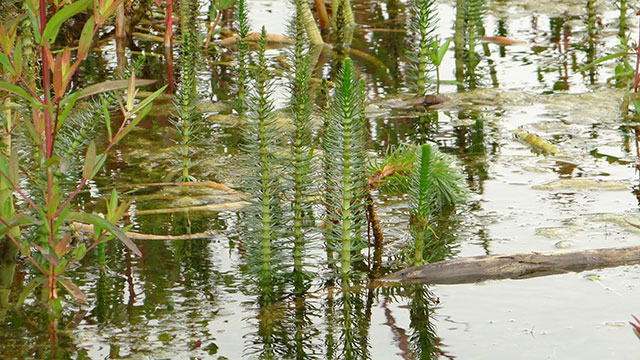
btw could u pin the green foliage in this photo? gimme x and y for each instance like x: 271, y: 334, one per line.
x: 474, y: 12
x: 243, y: 57
x: 435, y: 184
x: 345, y: 159
x: 300, y: 165
x: 393, y: 172
x: 57, y: 131
x: 422, y: 23
x: 262, y: 179
x: 187, y: 120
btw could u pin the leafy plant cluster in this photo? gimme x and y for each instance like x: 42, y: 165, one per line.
x: 280, y: 168
x: 44, y: 108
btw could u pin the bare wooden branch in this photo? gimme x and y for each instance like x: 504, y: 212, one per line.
x: 515, y: 266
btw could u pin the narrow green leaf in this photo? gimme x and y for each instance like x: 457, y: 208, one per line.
x: 113, y: 202
x: 442, y: 51
x: 89, y: 161
x: 17, y: 221
x: 107, y: 118
x: 15, y: 90
x: 136, y: 120
x: 53, y: 25
x: 80, y: 252
x: 13, y: 166
x: 48, y: 254
x: 32, y: 285
x: 84, y: 45
x: 17, y: 56
x: 35, y: 31
x: 4, y: 60
x: 73, y: 289
x: 69, y: 101
x: 601, y: 60
x: 110, y: 86
x: 148, y: 100
x: 98, y: 165
x: 131, y: 92
x: 96, y: 220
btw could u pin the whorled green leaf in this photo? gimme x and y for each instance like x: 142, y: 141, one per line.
x: 96, y: 220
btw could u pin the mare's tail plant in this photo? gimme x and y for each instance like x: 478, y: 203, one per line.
x: 186, y: 119
x: 434, y: 185
x: 422, y: 24
x: 243, y: 58
x: 475, y: 11
x: 262, y: 178
x: 345, y: 158
x: 300, y: 139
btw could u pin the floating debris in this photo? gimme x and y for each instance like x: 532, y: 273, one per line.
x: 536, y: 141
x: 588, y: 184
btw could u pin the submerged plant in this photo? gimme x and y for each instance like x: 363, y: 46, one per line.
x: 344, y: 161
x: 434, y: 185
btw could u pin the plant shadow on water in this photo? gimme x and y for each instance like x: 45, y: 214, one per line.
x: 510, y: 67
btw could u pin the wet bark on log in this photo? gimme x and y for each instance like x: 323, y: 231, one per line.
x: 515, y: 266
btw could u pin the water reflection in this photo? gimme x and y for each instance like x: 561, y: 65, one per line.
x: 178, y: 293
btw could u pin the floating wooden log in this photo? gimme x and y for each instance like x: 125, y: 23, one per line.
x: 514, y: 266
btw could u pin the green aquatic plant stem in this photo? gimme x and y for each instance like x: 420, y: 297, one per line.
x: 243, y: 57
x: 301, y: 108
x: 266, y: 170
x: 421, y: 202
x: 262, y: 179
x: 421, y: 25
x: 344, y: 159
x: 185, y: 119
x: 434, y: 185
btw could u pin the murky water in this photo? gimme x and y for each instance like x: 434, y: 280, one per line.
x: 190, y: 299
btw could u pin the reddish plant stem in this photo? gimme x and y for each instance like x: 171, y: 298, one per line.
x: 84, y: 180
x: 215, y: 23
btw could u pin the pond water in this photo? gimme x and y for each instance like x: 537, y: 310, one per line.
x: 190, y: 299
